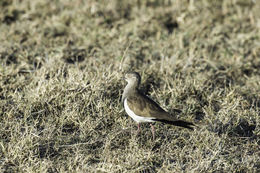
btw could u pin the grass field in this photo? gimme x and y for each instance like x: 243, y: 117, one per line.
x: 61, y: 69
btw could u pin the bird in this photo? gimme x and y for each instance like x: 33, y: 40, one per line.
x: 143, y: 109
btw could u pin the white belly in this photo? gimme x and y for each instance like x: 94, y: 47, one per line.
x: 135, y: 117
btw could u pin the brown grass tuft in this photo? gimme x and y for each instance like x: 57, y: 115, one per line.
x: 61, y: 65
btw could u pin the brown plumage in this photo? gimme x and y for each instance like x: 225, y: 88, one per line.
x: 143, y: 106
x: 143, y: 109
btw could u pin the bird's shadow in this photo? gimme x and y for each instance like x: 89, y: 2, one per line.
x: 150, y: 82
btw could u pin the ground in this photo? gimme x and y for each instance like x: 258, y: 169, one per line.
x: 61, y: 69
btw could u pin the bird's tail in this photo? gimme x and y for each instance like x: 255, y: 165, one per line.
x: 179, y: 123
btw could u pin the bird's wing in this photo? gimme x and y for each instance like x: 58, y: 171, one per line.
x: 143, y: 106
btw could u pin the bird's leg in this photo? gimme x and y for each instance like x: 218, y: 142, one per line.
x: 138, y: 128
x: 152, y: 129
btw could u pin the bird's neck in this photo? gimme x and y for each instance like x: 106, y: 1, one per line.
x: 129, y: 89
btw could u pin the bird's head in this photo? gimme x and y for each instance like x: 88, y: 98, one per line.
x: 133, y: 78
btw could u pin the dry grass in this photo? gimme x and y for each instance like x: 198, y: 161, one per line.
x: 60, y: 85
